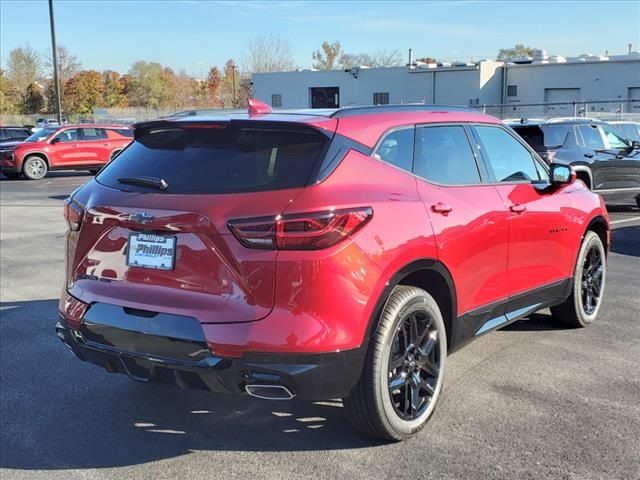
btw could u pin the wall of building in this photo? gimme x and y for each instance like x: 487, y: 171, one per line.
x: 606, y: 80
x: 481, y: 83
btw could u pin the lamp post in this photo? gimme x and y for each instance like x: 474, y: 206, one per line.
x: 54, y: 51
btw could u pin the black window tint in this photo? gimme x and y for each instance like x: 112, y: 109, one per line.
x: 509, y: 159
x: 443, y: 155
x: 93, y: 134
x: 555, y: 135
x: 220, y: 158
x: 532, y: 134
x: 591, y: 136
x: 396, y: 148
x: 17, y: 133
x: 4, y: 134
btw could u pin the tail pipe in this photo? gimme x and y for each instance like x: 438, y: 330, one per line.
x: 269, y: 392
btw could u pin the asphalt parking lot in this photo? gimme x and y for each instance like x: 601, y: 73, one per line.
x: 529, y: 401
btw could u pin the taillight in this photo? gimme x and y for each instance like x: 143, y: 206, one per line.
x: 73, y: 214
x: 305, y: 231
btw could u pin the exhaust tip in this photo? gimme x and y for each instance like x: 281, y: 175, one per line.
x: 269, y: 392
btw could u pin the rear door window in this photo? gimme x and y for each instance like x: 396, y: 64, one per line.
x: 93, y: 134
x: 396, y: 148
x: 69, y: 135
x: 220, y: 158
x: 591, y: 137
x: 506, y: 156
x: 444, y: 155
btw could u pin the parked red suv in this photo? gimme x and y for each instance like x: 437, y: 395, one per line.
x: 324, y: 256
x: 72, y: 147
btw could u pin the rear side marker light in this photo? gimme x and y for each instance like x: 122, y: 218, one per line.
x: 73, y: 214
x: 305, y: 231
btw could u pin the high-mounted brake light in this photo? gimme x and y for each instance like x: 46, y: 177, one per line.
x: 73, y: 214
x: 305, y: 231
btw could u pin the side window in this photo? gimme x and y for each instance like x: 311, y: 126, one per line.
x: 508, y: 158
x: 444, y: 155
x: 396, y: 148
x: 4, y: 134
x: 93, y: 134
x: 124, y: 132
x: 613, y: 140
x: 591, y: 137
x: 70, y: 135
x: 555, y: 135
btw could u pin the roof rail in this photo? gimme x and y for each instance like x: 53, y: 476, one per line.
x: 406, y: 107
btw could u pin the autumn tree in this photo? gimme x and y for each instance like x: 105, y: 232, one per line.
x: 270, y: 53
x: 519, y: 50
x: 213, y: 87
x: 33, y: 100
x: 328, y: 57
x: 113, y: 93
x: 83, y: 92
x: 186, y: 90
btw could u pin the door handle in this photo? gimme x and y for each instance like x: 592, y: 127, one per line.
x: 588, y: 155
x: 441, y: 208
x: 518, y: 208
x: 106, y: 144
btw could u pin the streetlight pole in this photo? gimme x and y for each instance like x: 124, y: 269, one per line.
x: 54, y: 51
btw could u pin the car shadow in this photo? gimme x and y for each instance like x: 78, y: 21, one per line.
x: 61, y: 413
x: 536, y: 322
x: 626, y: 241
x: 55, y: 174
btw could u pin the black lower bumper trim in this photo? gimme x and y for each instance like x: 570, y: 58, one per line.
x: 313, y: 377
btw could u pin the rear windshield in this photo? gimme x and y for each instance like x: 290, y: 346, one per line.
x: 219, y: 158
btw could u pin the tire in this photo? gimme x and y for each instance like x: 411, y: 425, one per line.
x: 12, y: 175
x: 376, y: 408
x: 34, y: 168
x: 589, y: 282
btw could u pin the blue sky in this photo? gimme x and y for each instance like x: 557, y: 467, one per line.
x: 115, y: 33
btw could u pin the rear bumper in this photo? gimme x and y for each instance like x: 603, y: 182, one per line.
x: 184, y: 363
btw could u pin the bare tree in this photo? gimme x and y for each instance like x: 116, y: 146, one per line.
x: 329, y: 57
x: 68, y: 64
x: 270, y: 53
x: 386, y: 58
x: 24, y: 67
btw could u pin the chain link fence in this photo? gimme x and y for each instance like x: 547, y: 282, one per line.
x: 597, y: 109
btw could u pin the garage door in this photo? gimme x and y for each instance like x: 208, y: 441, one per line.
x: 559, y: 95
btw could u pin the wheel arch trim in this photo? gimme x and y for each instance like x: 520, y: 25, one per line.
x: 414, y: 266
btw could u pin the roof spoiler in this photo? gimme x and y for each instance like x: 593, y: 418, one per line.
x: 256, y: 107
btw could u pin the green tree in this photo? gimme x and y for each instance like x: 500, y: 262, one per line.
x: 83, y: 92
x: 230, y: 86
x: 9, y: 97
x: 114, y: 86
x: 518, y: 50
x: 328, y: 57
x: 33, y: 101
x: 152, y: 86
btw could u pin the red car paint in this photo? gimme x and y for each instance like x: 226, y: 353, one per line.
x: 61, y: 152
x: 496, y: 241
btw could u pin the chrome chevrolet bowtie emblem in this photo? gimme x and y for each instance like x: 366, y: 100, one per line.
x: 140, y: 217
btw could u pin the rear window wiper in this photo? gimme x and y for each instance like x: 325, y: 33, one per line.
x: 151, y: 182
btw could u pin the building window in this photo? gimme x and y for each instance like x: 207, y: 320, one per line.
x: 276, y: 100
x: 381, y: 98
x: 512, y: 90
x: 325, y: 97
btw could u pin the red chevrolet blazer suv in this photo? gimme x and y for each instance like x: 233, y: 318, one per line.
x: 323, y: 254
x: 72, y: 147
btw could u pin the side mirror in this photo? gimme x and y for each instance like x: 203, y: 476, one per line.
x: 561, y: 174
x: 635, y: 144
x: 55, y: 140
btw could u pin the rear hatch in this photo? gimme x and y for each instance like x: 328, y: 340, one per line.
x: 154, y: 232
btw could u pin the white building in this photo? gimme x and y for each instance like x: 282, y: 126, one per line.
x: 537, y: 80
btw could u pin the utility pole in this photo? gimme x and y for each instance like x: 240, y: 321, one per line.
x: 54, y: 52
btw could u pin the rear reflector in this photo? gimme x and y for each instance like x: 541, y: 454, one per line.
x: 305, y: 231
x: 73, y: 214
